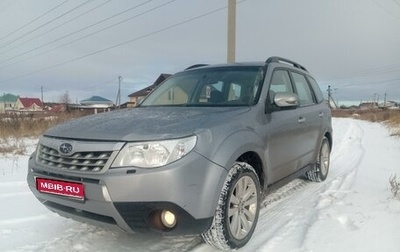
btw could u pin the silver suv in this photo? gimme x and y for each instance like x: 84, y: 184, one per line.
x: 194, y: 157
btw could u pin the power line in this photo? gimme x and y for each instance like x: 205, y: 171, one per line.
x: 119, y: 44
x: 89, y: 26
x: 387, y: 11
x: 396, y: 2
x: 56, y: 27
x: 370, y: 71
x: 371, y: 82
x: 88, y: 35
x: 43, y: 25
x: 30, y: 22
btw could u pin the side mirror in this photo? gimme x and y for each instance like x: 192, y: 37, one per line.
x: 286, y: 100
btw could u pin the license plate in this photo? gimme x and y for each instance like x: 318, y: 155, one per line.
x: 59, y: 187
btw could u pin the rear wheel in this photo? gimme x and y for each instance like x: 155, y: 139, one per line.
x: 237, y: 211
x: 321, y: 167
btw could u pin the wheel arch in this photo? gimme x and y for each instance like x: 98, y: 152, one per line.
x: 253, y: 159
x: 250, y: 150
x: 328, y: 135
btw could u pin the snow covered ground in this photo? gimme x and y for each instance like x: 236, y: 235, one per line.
x: 353, y: 210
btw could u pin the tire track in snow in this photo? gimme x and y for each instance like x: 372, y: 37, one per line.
x: 80, y: 237
x: 298, y: 207
x: 12, y: 190
x: 296, y: 204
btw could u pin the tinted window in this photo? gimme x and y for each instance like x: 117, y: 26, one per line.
x: 317, y: 91
x: 303, y: 89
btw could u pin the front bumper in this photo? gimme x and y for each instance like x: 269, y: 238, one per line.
x: 129, y: 197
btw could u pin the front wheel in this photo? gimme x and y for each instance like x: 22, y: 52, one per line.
x: 237, y: 211
x: 321, y: 168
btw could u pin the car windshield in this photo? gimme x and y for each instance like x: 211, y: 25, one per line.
x: 222, y: 86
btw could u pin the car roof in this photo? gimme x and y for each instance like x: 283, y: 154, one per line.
x: 271, y: 60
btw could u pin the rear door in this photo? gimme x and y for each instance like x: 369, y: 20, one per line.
x: 309, y: 120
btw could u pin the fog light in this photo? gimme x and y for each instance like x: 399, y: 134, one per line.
x: 168, y: 219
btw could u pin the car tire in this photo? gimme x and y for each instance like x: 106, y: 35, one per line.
x: 320, y: 170
x: 237, y: 211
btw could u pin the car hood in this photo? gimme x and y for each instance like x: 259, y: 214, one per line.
x: 145, y: 123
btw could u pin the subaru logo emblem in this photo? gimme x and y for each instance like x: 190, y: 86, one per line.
x: 65, y: 148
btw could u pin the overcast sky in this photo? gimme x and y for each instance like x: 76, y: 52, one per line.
x: 83, y: 46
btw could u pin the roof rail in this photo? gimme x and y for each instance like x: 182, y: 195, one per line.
x: 279, y: 59
x: 195, y: 66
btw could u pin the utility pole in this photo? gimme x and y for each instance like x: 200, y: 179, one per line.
x: 4, y: 103
x: 373, y: 101
x: 330, y: 98
x: 231, y: 31
x: 384, y: 102
x: 118, y: 101
x: 41, y: 90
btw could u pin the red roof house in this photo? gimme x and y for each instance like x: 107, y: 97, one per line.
x: 57, y: 108
x: 29, y: 104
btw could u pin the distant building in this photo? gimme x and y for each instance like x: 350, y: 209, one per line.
x: 28, y: 105
x: 94, y: 104
x: 136, y: 97
x: 57, y: 108
x: 7, y: 103
x: 388, y: 105
x: 368, y: 105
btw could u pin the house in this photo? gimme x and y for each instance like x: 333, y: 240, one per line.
x: 57, y: 108
x: 28, y: 105
x: 93, y: 104
x: 7, y: 103
x: 368, y: 105
x: 388, y: 105
x: 136, y: 97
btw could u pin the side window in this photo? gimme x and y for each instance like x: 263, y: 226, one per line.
x: 303, y: 90
x: 280, y: 82
x: 317, y: 90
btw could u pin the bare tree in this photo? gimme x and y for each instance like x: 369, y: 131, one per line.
x: 65, y: 99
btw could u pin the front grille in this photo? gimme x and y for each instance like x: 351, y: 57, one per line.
x: 91, y: 161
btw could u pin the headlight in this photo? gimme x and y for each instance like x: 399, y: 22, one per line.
x: 155, y: 153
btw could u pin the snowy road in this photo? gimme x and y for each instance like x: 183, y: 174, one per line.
x: 352, y: 211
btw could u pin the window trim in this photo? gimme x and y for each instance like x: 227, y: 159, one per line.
x: 291, y: 72
x: 313, y: 90
x: 269, y: 106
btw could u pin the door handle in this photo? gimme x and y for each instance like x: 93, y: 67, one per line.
x: 321, y: 114
x: 301, y: 120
